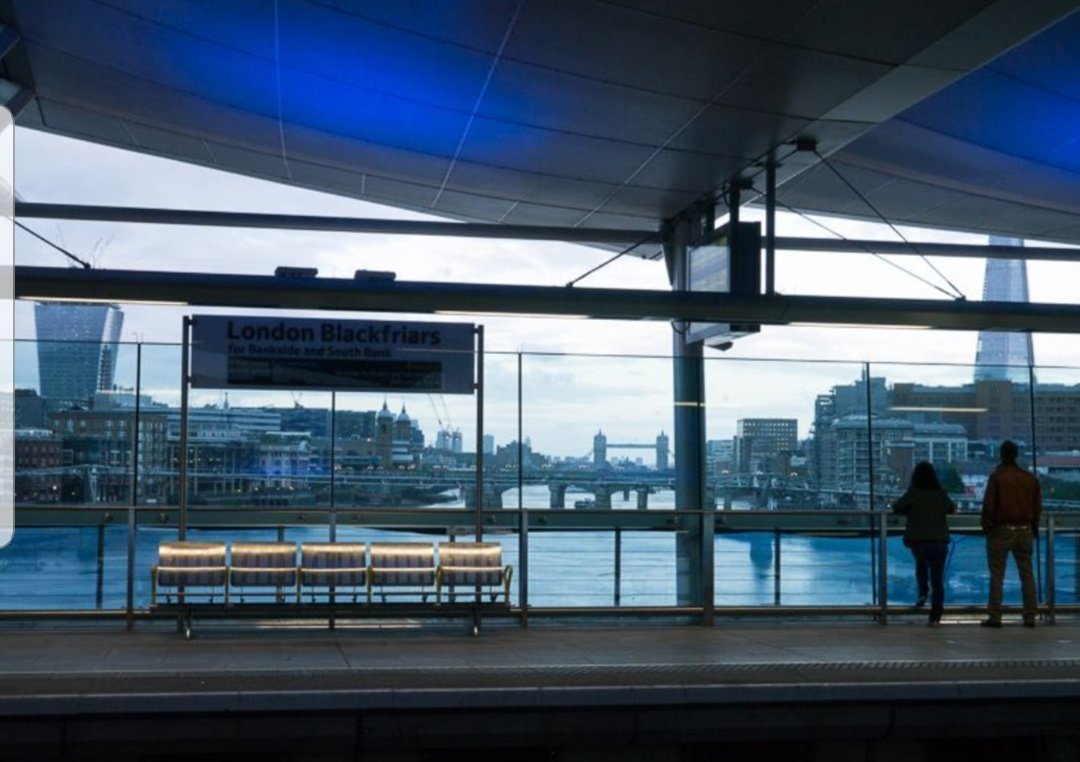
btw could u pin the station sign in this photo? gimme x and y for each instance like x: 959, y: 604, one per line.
x: 241, y: 352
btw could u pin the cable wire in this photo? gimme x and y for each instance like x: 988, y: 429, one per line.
x: 605, y: 263
x: 867, y: 249
x: 915, y: 249
x: 59, y: 248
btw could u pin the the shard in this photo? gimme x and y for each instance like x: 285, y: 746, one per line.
x: 1004, y: 356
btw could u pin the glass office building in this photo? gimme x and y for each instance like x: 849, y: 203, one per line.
x: 77, y: 350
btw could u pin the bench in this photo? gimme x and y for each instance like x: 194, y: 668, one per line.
x: 192, y: 575
x: 475, y: 565
x: 189, y: 569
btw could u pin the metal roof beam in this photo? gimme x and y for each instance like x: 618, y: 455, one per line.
x: 329, y: 224
x: 28, y: 210
x: 202, y: 289
x: 915, y: 248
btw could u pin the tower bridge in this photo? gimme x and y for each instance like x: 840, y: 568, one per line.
x: 662, y: 448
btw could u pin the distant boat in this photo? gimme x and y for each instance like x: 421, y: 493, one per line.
x: 589, y: 503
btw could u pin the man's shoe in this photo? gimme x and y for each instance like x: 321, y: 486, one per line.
x: 995, y: 623
x: 1029, y: 622
x: 920, y: 601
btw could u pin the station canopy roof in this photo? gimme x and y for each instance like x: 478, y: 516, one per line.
x: 958, y: 114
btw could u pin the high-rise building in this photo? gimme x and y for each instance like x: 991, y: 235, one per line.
x: 1004, y: 356
x: 760, y: 441
x: 77, y: 349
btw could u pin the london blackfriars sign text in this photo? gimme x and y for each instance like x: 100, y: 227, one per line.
x: 360, y: 355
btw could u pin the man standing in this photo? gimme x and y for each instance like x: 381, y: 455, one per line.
x: 1010, y: 517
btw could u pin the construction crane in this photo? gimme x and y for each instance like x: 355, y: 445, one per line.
x: 443, y: 418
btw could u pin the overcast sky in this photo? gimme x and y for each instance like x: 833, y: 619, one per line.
x: 630, y: 400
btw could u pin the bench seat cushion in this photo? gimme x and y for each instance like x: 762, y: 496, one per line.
x: 191, y: 564
x: 403, y: 564
x: 262, y: 564
x: 333, y: 564
x: 470, y: 563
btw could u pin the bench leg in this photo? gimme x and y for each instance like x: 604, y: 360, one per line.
x: 185, y: 625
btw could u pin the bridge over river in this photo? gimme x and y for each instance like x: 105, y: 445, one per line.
x: 604, y: 484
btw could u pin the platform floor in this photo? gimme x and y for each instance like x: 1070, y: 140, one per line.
x: 391, y: 685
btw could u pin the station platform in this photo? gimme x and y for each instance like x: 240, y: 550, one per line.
x: 405, y: 690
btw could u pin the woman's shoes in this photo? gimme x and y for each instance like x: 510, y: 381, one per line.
x: 934, y: 623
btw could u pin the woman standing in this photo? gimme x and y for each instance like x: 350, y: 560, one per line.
x: 926, y: 505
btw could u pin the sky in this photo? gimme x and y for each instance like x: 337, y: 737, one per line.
x: 570, y: 387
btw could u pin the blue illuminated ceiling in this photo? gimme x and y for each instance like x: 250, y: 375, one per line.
x: 590, y: 113
x: 996, y: 152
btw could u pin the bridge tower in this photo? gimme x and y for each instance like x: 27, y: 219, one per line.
x: 599, y: 449
x: 662, y: 449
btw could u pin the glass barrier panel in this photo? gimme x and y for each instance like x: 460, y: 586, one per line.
x: 147, y: 541
x: 159, y: 424
x: 795, y: 568
x: 823, y: 570
x: 965, y: 572
x: 786, y: 434
x: 79, y: 568
x: 1066, y: 561
x: 967, y: 578
x: 598, y: 431
x: 74, y: 426
x: 647, y: 568
x: 745, y: 565
x: 408, y: 454
x: 255, y: 449
x: 503, y: 452
x: 571, y: 569
x: 1056, y: 458
x: 953, y: 416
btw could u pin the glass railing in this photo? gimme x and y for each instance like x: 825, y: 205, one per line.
x: 587, y: 562
x: 574, y: 474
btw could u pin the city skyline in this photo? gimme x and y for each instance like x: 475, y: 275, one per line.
x: 562, y: 428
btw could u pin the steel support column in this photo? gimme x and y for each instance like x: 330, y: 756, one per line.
x: 694, y: 566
